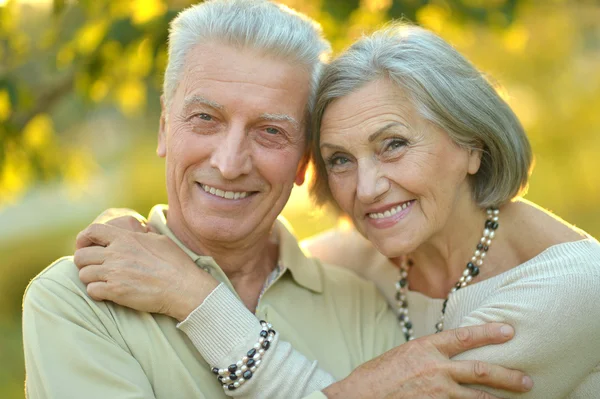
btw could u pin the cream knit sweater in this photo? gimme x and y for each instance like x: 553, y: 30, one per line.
x: 552, y: 300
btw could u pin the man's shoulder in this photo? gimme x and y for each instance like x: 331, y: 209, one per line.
x: 339, y: 280
x: 62, y: 276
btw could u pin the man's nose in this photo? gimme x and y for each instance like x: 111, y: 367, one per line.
x: 232, y: 156
x: 372, y: 184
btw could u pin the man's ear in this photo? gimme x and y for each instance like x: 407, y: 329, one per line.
x: 302, y: 166
x: 474, y: 160
x: 161, y: 149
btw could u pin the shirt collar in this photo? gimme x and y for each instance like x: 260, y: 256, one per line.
x: 304, y: 270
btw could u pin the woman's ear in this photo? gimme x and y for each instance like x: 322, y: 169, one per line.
x: 474, y: 160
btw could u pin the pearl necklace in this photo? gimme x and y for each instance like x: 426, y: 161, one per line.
x: 471, y: 271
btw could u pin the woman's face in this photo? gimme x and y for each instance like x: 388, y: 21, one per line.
x: 397, y: 175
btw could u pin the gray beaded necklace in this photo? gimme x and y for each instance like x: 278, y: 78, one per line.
x: 471, y: 271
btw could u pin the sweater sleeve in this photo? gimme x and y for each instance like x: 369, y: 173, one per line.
x: 556, y: 317
x: 283, y: 373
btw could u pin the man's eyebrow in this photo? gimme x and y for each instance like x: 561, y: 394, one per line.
x: 193, y: 100
x: 281, y: 118
x: 382, y: 130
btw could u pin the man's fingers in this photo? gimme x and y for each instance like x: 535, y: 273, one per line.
x: 98, y: 290
x: 115, y: 213
x: 92, y: 273
x: 490, y: 375
x: 453, y: 342
x: 93, y: 255
x: 129, y: 222
x: 95, y: 234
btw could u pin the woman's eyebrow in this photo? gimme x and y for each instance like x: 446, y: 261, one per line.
x: 382, y: 130
x: 332, y: 146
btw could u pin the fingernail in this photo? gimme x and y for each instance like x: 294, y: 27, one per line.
x: 507, y: 331
x: 527, y: 383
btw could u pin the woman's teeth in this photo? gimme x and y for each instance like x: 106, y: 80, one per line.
x: 389, y: 212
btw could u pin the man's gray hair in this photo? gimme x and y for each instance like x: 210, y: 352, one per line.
x: 446, y: 90
x: 269, y: 27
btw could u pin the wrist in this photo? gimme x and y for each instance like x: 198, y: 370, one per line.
x: 185, y: 301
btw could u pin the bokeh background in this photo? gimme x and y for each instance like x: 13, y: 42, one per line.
x: 79, y: 107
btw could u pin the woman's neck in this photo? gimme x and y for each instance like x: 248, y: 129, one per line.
x: 439, y: 262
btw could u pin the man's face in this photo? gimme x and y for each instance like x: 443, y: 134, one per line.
x: 234, y: 143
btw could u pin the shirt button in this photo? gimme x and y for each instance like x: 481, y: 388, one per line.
x: 205, y: 268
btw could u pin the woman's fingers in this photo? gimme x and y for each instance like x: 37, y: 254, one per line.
x: 490, y: 375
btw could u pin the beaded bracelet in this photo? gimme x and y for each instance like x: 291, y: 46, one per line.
x: 237, y: 374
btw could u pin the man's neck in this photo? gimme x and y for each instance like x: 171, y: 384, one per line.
x: 246, y: 264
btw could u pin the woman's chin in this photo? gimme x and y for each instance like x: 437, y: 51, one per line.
x: 391, y: 247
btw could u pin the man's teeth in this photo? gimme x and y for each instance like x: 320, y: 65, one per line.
x: 224, y: 194
x: 390, y: 212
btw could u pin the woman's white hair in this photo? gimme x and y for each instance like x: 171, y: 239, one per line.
x: 447, y: 90
x: 259, y: 24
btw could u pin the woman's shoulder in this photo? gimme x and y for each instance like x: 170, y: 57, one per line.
x: 343, y: 247
x: 539, y: 237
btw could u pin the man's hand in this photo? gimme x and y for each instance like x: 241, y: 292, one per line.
x: 123, y: 218
x: 143, y: 271
x: 422, y: 369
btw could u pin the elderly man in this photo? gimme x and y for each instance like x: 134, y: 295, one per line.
x: 233, y: 132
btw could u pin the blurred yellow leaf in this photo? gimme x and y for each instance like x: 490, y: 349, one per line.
x: 139, y: 58
x: 306, y: 7
x: 90, y: 35
x: 78, y: 166
x: 98, y: 90
x: 9, y: 16
x: 484, y: 3
x: 131, y: 96
x: 16, y: 174
x: 145, y: 10
x: 20, y: 44
x: 433, y: 16
x: 515, y: 38
x: 119, y: 9
x: 38, y: 132
x: 364, y: 21
x: 376, y: 5
x: 5, y: 106
x: 64, y: 56
x: 111, y: 51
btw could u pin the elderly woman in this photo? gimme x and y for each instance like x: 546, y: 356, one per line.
x: 418, y: 149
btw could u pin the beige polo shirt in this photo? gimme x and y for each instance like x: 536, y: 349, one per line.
x: 76, y: 347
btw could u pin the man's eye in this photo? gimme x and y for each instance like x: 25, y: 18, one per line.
x: 272, y: 130
x: 205, y: 117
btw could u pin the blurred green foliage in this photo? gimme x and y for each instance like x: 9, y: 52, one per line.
x: 79, y: 107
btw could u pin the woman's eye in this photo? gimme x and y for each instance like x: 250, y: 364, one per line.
x: 337, y: 161
x: 395, y: 144
x: 272, y: 130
